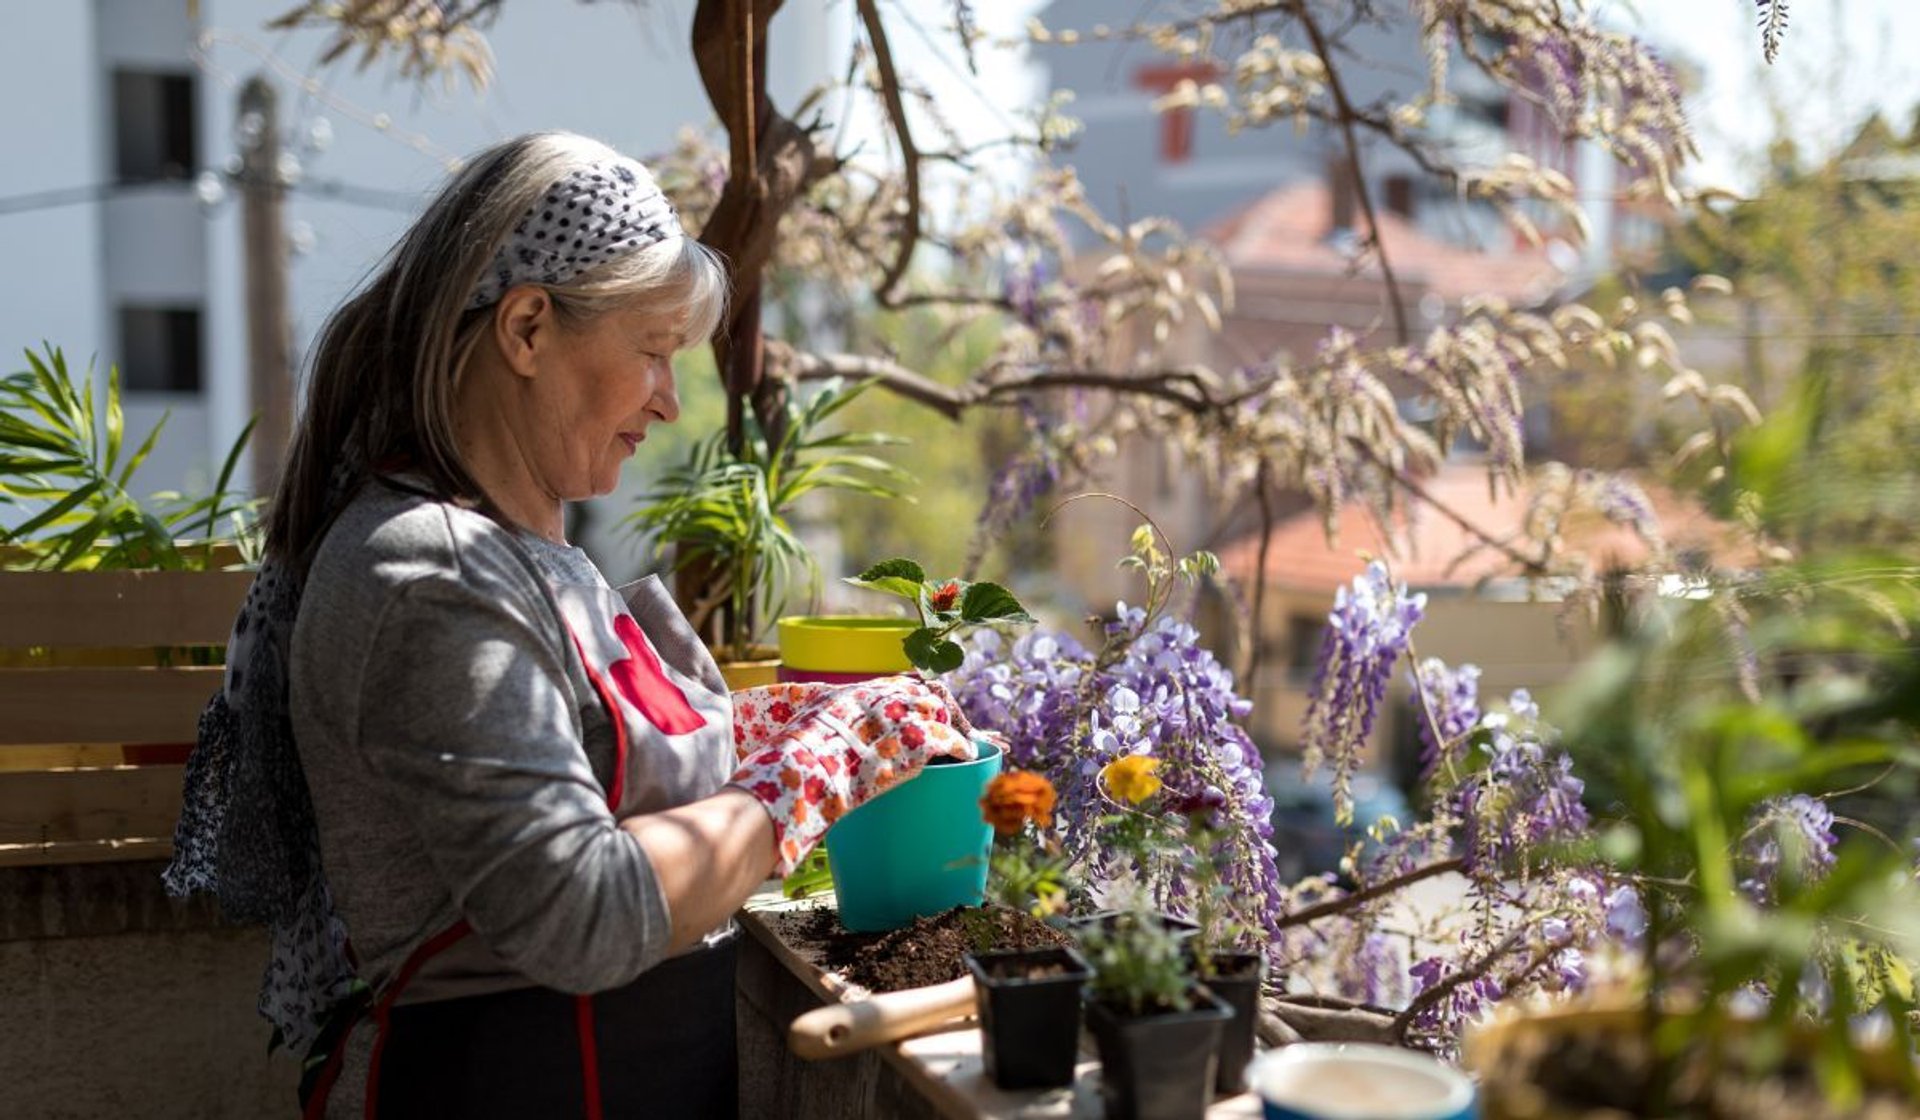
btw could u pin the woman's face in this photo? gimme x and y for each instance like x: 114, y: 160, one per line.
x: 602, y: 383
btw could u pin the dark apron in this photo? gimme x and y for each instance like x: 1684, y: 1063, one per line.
x: 662, y: 1046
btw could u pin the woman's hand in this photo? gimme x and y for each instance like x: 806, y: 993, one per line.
x: 811, y: 753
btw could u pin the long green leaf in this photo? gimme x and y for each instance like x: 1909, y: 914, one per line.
x: 146, y: 445
x: 116, y: 422
x: 55, y: 512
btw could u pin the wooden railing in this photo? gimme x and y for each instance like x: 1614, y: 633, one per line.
x: 102, y: 679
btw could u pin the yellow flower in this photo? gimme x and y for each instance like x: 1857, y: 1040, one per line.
x: 1132, y: 778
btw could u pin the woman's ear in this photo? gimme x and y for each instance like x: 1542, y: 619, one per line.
x: 522, y: 326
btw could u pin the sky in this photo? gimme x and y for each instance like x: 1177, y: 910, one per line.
x: 1840, y: 59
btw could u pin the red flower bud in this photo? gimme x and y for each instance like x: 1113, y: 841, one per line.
x: 946, y: 596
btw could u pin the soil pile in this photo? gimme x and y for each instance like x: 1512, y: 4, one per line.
x: 930, y: 951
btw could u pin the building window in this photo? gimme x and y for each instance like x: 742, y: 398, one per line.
x: 1304, y: 632
x: 1176, y: 125
x: 160, y: 349
x: 154, y: 133
x: 1400, y: 195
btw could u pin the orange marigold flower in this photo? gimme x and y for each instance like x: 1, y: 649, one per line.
x: 1016, y: 797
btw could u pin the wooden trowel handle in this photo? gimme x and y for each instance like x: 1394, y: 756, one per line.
x: 846, y: 1028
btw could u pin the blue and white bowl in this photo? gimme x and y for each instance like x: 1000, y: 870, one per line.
x: 1354, y: 1081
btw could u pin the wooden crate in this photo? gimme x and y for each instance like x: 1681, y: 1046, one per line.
x: 97, y: 669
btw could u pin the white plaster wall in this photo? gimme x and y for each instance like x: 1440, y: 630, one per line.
x: 51, y: 257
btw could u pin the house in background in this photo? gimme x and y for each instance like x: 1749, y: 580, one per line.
x: 1480, y: 607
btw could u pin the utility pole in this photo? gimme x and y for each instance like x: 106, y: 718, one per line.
x: 263, y: 193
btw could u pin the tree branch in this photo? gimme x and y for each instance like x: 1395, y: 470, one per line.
x: 1345, y: 109
x: 909, y: 155
x: 1404, y: 1021
x: 1365, y: 895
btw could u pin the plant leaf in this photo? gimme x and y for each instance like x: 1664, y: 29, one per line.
x: 897, y: 566
x: 990, y: 602
x: 933, y: 654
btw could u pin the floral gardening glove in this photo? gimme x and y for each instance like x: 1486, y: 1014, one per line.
x: 813, y: 753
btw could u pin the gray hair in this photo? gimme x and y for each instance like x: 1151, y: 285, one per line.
x: 388, y: 362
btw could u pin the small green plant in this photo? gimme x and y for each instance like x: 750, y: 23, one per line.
x: 60, y: 459
x: 1026, y: 869
x: 946, y: 608
x: 1138, y: 963
x: 727, y: 516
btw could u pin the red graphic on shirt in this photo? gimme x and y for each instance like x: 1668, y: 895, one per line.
x: 640, y: 681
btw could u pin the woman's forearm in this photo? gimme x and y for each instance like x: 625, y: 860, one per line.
x: 707, y: 856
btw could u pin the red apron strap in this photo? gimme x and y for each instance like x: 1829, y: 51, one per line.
x: 618, y: 786
x: 383, y: 1010
x: 589, y: 1055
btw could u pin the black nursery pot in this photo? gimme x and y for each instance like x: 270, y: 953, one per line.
x: 1029, y: 1003
x: 1158, y: 1066
x: 1236, y: 978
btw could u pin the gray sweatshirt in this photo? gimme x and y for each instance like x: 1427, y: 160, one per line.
x: 453, y: 684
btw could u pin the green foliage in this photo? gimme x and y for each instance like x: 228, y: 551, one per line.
x: 813, y: 875
x: 730, y: 516
x: 1821, y: 258
x: 946, y: 608
x: 1831, y: 702
x: 1138, y: 964
x: 60, y: 455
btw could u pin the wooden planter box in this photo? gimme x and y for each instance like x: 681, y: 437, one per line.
x: 102, y: 679
x: 937, y: 1076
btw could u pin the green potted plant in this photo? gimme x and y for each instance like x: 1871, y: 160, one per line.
x: 1028, y: 1000
x: 922, y: 846
x: 60, y: 457
x: 109, y: 580
x: 1226, y: 955
x: 1156, y: 1026
x: 724, y: 520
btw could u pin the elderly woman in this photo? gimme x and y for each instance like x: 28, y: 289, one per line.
x: 527, y: 795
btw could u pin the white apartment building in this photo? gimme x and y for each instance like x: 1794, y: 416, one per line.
x: 121, y: 235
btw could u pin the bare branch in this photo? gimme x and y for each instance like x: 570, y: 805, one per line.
x: 1361, y: 897
x: 909, y: 155
x: 1344, y: 108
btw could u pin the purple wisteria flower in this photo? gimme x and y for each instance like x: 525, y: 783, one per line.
x: 1452, y: 696
x: 1445, y: 1017
x: 1798, y: 826
x: 1154, y: 690
x: 1366, y: 634
x: 1374, y: 972
x: 1527, y: 794
x: 1626, y: 917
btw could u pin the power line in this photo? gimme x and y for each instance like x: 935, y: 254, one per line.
x: 354, y: 194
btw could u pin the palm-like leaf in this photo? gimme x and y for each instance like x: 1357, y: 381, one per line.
x: 53, y: 459
x: 732, y: 512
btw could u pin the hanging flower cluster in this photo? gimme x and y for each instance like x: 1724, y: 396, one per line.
x: 1526, y: 795
x: 1158, y: 715
x: 1366, y: 634
x: 1789, y: 837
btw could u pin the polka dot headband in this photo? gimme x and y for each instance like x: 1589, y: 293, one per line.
x: 587, y: 218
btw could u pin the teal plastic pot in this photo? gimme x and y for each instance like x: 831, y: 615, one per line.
x: 919, y: 848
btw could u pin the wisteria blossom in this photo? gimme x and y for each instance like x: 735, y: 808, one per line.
x: 1366, y: 634
x: 1153, y: 689
x: 1525, y: 796
x: 1790, y: 835
x: 1452, y: 700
